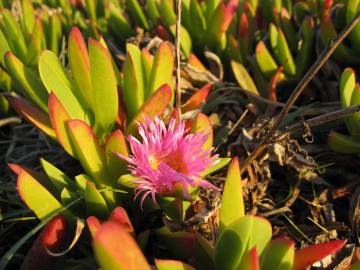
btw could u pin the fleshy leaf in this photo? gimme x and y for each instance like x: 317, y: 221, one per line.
x: 343, y: 53
x: 91, y: 156
x: 12, y: 31
x: 93, y: 224
x: 35, y: 44
x: 354, y: 118
x: 232, y: 203
x: 219, y: 163
x: 27, y: 79
x: 180, y: 244
x: 54, y: 238
x: 347, y: 86
x: 56, y: 80
x: 250, y: 261
x: 342, y: 143
x: 185, y: 43
x: 104, y: 86
x: 34, y: 195
x: 115, y: 249
x: 304, y: 56
x: 201, y: 123
x: 59, y: 117
x: 116, y: 144
x: 162, y: 69
x: 133, y: 89
x: 204, y: 252
x: 32, y: 114
x: 138, y: 14
x: 167, y: 14
x: 197, y: 99
x: 279, y: 255
x: 265, y: 61
x: 80, y: 65
x: 154, y: 106
x: 172, y: 265
x: 95, y: 202
x: 307, y: 256
x: 238, y: 237
x: 57, y: 177
x: 120, y: 216
x: 243, y: 78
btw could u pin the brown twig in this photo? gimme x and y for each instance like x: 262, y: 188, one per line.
x: 177, y: 58
x: 328, y: 117
x: 324, y: 56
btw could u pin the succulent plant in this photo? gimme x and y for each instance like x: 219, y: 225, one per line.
x: 283, y: 48
x: 26, y: 34
x: 349, y: 96
x: 244, y: 241
x: 345, y: 11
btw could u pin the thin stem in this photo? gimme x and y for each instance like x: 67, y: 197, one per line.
x: 310, y: 74
x: 10, y: 120
x: 177, y: 58
x: 328, y: 117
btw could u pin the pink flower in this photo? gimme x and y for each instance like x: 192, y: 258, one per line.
x: 168, y: 156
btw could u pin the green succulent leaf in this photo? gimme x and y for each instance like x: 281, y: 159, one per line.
x: 57, y: 177
x: 27, y: 20
x: 133, y: 89
x: 238, y: 238
x: 250, y: 261
x: 347, y: 86
x: 35, y: 44
x: 80, y: 66
x: 12, y: 31
x: 27, y: 79
x: 343, y: 143
x: 279, y: 255
x: 154, y: 106
x: 219, y: 163
x: 185, y: 42
x: 115, y: 249
x: 180, y: 244
x: 354, y: 119
x: 91, y: 156
x: 4, y: 47
x: 343, y: 53
x: 59, y: 118
x: 202, y: 124
x: 162, y: 69
x: 243, y: 77
x: 34, y: 115
x: 265, y: 61
x: 137, y: 14
x: 54, y: 35
x: 304, y: 57
x: 118, y: 23
x: 115, y: 144
x: 172, y: 265
x: 104, y: 87
x: 232, y: 203
x: 352, y: 7
x: 34, y: 195
x: 167, y: 14
x: 95, y: 202
x: 56, y: 79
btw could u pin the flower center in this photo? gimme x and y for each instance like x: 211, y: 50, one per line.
x: 174, y: 160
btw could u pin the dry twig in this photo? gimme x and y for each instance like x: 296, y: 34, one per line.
x: 310, y: 74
